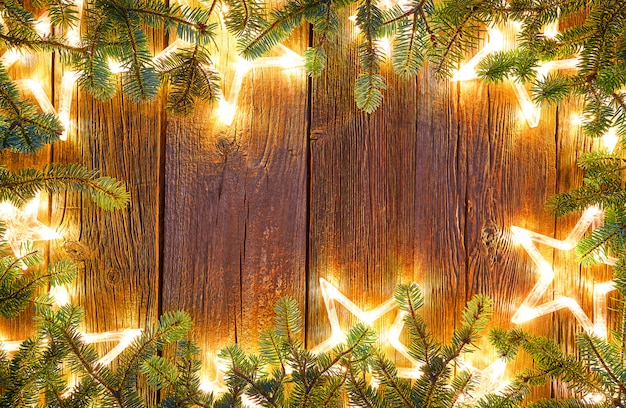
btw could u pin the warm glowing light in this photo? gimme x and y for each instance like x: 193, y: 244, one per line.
x: 393, y: 338
x: 529, y: 110
x: 600, y: 307
x: 10, y: 57
x: 490, y: 379
x: 216, y: 386
x: 546, y: 67
x: 332, y: 295
x: 167, y: 51
x: 385, y: 44
x: 116, y: 67
x: 60, y: 295
x: 124, y: 339
x: 40, y: 95
x: 610, y: 139
x: 65, y: 100
x: 531, y: 306
x: 227, y: 106
x: 468, y: 70
x: 226, y: 111
x: 43, y: 25
x: 593, y: 398
x: 551, y: 30
x: 287, y: 59
x: 22, y: 226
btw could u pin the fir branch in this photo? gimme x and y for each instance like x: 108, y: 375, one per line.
x: 20, y: 186
x: 590, y: 344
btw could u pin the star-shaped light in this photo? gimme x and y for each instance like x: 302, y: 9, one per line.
x: 22, y: 226
x: 532, y: 306
x: 69, y: 78
x: 227, y: 106
x: 490, y: 378
x: 331, y: 295
x: 124, y: 338
x: 530, y: 110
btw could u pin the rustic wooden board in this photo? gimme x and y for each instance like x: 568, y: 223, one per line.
x: 510, y: 172
x: 30, y: 66
x: 117, y: 252
x: 226, y: 219
x: 235, y: 214
x: 379, y: 193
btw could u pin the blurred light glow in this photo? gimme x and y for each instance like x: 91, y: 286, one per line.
x: 490, y: 379
x: 531, y: 306
x: 22, y: 226
x: 610, y: 139
x: 467, y: 71
x: 60, y: 294
x: 529, y: 110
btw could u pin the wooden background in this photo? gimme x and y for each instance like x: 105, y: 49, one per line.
x: 225, y: 220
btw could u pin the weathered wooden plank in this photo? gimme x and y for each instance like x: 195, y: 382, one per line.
x: 380, y: 213
x: 36, y: 67
x: 510, y: 173
x: 117, y: 252
x: 235, y: 216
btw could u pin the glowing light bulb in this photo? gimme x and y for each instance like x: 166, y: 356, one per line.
x: 468, y: 70
x: 116, y: 67
x: 610, y: 139
x: 226, y: 112
x: 60, y: 294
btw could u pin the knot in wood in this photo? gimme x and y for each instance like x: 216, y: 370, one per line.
x: 113, y: 277
x: 76, y: 251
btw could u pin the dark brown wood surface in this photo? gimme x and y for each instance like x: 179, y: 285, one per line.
x: 236, y: 209
x: 225, y: 220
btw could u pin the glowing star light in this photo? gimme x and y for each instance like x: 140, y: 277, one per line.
x: 10, y: 57
x: 529, y: 109
x: 532, y: 306
x: 331, y: 295
x: 123, y: 338
x: 287, y: 59
x: 22, y: 225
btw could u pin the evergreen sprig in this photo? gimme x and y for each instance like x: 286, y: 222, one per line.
x: 21, y: 185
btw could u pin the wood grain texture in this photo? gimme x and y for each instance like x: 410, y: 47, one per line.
x: 30, y: 66
x: 118, y: 251
x: 425, y: 189
x: 235, y: 215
